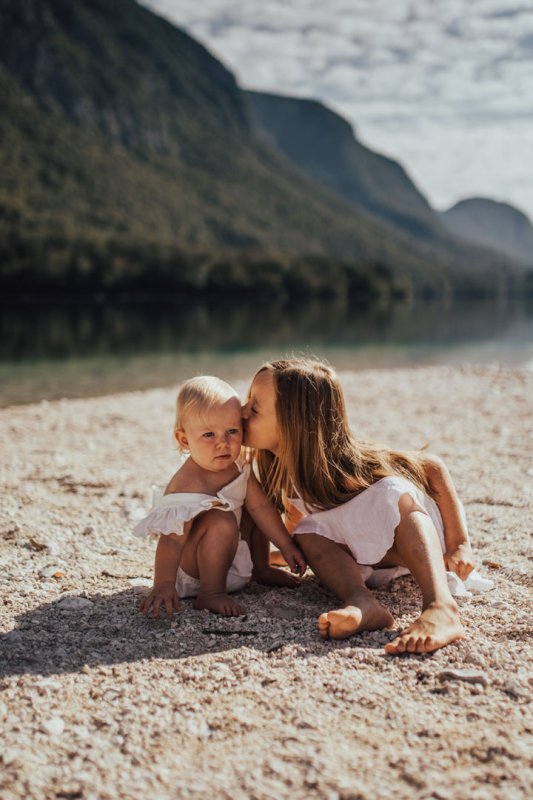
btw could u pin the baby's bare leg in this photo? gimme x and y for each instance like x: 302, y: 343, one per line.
x: 207, y: 554
x: 417, y: 547
x: 338, y: 570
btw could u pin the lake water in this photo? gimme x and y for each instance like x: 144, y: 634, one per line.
x: 82, y: 351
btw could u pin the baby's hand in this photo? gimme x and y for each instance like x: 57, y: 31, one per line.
x: 294, y: 558
x: 460, y: 560
x: 163, y: 593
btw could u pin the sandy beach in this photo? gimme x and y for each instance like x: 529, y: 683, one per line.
x: 98, y: 702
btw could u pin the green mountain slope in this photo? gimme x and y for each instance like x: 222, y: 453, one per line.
x: 127, y: 151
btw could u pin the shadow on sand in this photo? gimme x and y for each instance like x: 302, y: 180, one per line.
x: 110, y: 630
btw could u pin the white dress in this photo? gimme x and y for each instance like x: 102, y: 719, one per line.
x: 366, y: 524
x: 170, y: 512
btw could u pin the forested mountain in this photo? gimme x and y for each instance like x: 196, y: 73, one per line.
x: 130, y: 158
x: 488, y: 223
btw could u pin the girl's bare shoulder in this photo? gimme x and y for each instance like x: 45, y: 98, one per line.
x: 427, y: 459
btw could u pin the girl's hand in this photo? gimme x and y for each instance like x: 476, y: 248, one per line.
x: 460, y: 560
x: 294, y: 558
x: 163, y: 593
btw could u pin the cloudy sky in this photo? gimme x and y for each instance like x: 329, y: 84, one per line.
x: 444, y: 86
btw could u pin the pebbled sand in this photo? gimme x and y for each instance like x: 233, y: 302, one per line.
x: 100, y: 703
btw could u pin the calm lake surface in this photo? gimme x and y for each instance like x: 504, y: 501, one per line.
x: 83, y: 351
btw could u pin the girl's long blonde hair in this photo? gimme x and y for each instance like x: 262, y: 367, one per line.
x: 318, y: 455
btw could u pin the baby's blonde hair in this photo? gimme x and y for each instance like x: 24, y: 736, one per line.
x: 198, y: 395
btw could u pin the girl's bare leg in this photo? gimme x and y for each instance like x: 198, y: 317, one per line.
x: 417, y: 547
x: 259, y: 546
x: 339, y: 572
x: 208, y: 554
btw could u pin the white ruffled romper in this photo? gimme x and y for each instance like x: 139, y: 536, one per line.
x: 366, y: 525
x: 171, y: 511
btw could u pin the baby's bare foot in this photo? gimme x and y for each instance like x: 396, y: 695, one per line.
x: 220, y: 604
x: 271, y: 576
x: 437, y: 626
x: 368, y: 615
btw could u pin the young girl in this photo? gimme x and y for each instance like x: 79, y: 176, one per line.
x: 356, y: 503
x: 200, y: 551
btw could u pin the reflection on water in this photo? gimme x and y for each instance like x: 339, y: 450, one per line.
x: 82, y: 351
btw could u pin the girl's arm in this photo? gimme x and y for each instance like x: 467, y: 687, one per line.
x: 458, y: 556
x: 269, y: 521
x: 167, y: 560
x: 292, y: 514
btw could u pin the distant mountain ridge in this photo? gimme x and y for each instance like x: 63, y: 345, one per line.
x: 124, y: 144
x: 323, y: 144
x: 117, y: 124
x: 493, y: 224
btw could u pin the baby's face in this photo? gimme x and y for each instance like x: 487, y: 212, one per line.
x: 214, y: 441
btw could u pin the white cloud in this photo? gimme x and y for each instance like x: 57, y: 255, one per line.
x: 444, y: 86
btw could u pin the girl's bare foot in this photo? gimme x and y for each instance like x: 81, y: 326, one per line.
x: 364, y: 613
x: 220, y: 604
x: 271, y: 576
x: 437, y: 626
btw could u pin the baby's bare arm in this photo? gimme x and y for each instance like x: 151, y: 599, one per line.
x: 167, y: 560
x: 167, y: 557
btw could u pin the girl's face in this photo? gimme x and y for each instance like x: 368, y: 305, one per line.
x: 214, y: 441
x: 259, y: 414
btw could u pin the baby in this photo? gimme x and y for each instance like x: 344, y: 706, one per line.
x: 203, y: 548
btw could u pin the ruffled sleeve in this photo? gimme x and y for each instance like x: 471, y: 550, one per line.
x: 170, y: 513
